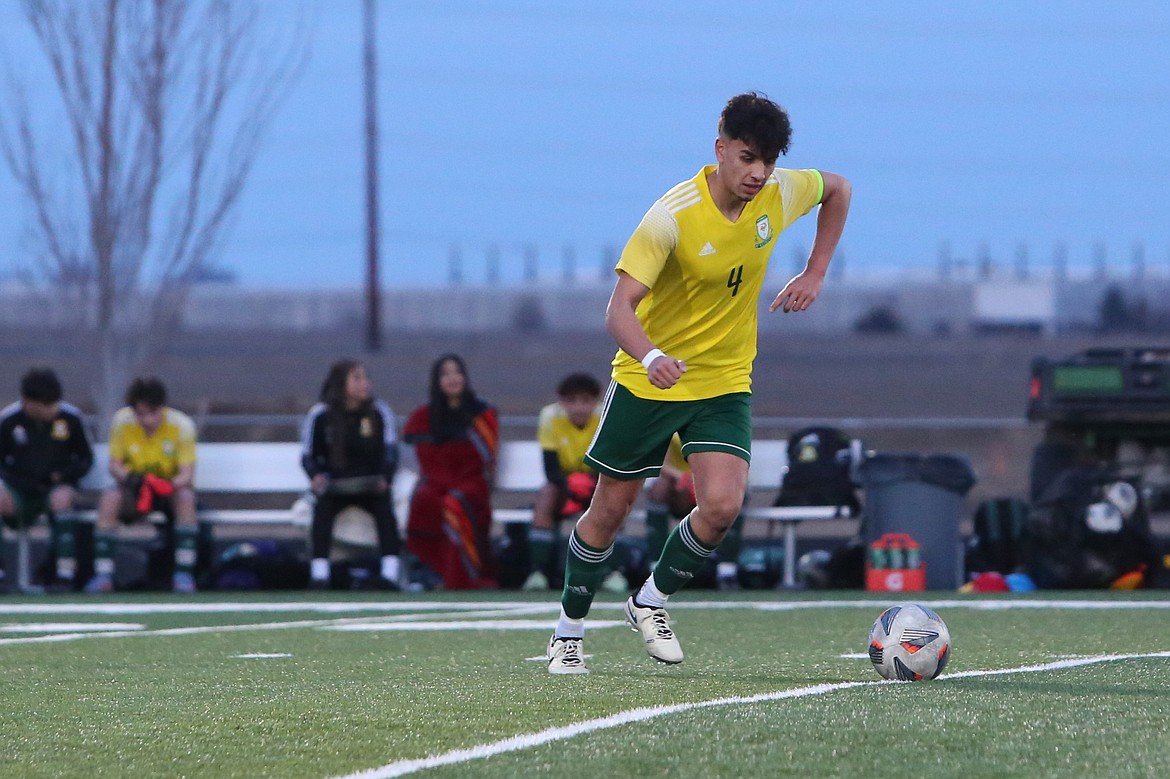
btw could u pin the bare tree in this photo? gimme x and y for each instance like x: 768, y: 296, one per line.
x: 164, y: 104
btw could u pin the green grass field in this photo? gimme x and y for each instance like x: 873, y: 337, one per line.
x: 280, y: 685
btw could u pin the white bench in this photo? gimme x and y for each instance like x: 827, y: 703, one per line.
x: 244, y: 468
x: 241, y: 468
x: 521, y: 470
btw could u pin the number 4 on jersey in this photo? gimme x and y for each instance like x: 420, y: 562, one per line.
x: 734, y: 279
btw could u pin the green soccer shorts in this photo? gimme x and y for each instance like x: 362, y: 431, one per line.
x: 634, y: 433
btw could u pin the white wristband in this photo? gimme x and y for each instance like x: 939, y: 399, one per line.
x: 651, y: 356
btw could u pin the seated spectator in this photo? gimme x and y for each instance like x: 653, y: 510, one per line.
x: 152, y: 460
x: 456, y: 437
x: 564, y: 432
x: 44, y: 452
x: 350, y: 452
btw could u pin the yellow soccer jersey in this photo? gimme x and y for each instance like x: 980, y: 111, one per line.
x: 705, y: 274
x: 171, y: 447
x: 556, y: 433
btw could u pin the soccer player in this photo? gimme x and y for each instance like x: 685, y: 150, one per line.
x: 152, y: 460
x: 44, y: 453
x: 683, y: 314
x: 564, y: 432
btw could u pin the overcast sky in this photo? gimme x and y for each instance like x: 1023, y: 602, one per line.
x: 557, y: 124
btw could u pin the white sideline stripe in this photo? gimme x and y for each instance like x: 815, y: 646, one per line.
x: 232, y: 607
x: 553, y: 605
x: 501, y: 624
x: 526, y: 741
x: 190, y: 631
x: 262, y: 656
x: 69, y: 627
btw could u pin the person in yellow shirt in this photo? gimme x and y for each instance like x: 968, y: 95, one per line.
x: 152, y: 462
x: 684, y: 315
x: 563, y: 432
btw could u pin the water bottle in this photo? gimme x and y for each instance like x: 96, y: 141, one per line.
x: 877, y: 556
x: 913, y: 555
x: 896, y: 557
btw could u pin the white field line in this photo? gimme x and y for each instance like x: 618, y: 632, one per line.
x: 307, y: 623
x: 552, y: 605
x: 495, y: 624
x: 549, y: 735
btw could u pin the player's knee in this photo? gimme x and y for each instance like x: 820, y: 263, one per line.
x: 720, y: 511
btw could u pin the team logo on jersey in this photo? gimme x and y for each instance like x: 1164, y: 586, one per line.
x: 60, y: 430
x: 365, y: 428
x: 20, y: 435
x: 707, y: 250
x: 763, y: 231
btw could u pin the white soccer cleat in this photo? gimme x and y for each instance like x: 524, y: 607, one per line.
x: 565, y: 656
x: 536, y: 581
x: 654, y: 625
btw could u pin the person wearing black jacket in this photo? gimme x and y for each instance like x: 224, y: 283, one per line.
x: 350, y: 452
x: 44, y: 453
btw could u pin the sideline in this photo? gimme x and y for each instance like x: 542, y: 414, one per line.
x: 526, y: 741
x: 552, y: 605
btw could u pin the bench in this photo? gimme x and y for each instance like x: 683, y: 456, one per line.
x: 254, y: 468
x: 259, y: 468
x: 521, y: 470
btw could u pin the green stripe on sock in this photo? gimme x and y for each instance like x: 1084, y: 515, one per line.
x: 584, y: 569
x: 681, y: 559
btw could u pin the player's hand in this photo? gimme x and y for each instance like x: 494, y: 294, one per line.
x: 319, y: 483
x: 799, y: 293
x: 665, y: 371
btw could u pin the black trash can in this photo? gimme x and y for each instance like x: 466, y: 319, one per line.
x: 921, y: 495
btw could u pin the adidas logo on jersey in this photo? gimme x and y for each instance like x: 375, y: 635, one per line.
x: 707, y: 250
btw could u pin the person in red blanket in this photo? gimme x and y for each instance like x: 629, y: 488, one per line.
x: 455, y: 437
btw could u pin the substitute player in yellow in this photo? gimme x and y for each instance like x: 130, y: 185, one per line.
x: 564, y: 432
x: 683, y: 314
x: 152, y: 461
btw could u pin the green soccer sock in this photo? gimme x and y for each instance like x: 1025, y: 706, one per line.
x: 681, y: 559
x: 64, y: 547
x: 186, y: 542
x: 105, y: 546
x: 584, y: 570
x: 657, y: 529
x: 540, y: 548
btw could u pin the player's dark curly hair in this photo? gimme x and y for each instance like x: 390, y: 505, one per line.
x: 40, y: 385
x: 579, y: 384
x: 148, y: 390
x: 757, y: 121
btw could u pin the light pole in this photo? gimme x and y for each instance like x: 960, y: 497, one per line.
x: 373, y: 287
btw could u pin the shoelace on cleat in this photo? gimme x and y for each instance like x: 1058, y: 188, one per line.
x: 572, y: 653
x: 662, y: 624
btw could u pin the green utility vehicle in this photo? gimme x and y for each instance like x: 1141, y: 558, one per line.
x: 1104, y: 406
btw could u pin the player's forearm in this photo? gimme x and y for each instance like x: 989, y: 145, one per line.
x: 628, y: 333
x: 830, y: 222
x: 185, y: 477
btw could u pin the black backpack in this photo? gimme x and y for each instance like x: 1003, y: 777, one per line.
x: 998, y: 541
x: 1064, y: 548
x: 819, y: 470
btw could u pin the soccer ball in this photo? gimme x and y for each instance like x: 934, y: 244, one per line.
x: 910, y: 643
